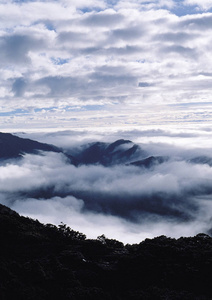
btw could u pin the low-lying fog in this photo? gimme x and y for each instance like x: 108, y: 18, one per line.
x: 122, y: 201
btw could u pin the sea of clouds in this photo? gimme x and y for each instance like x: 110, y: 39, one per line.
x: 124, y: 202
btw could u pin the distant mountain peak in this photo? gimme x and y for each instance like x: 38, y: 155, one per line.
x: 117, y: 143
x: 107, y: 154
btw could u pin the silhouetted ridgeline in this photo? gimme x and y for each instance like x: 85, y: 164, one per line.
x: 48, y: 262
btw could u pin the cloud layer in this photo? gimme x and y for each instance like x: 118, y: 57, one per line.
x: 103, y: 62
x: 125, y: 202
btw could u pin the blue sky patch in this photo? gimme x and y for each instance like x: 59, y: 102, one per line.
x: 59, y: 60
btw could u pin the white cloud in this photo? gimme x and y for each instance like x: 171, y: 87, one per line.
x: 68, y: 211
x: 132, y: 57
x: 202, y: 4
x: 124, y: 202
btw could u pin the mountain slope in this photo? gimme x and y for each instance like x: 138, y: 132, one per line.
x: 12, y: 146
x: 201, y: 160
x: 150, y: 161
x: 119, y: 152
x: 42, y: 262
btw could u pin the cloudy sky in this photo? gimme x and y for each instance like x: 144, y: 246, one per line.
x: 99, y: 63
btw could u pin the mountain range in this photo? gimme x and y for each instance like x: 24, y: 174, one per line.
x: 106, y: 154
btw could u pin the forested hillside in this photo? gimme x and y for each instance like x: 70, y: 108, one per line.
x: 47, y: 262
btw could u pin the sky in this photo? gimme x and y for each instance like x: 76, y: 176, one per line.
x: 102, y: 64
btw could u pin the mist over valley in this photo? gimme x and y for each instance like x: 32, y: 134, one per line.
x: 122, y: 189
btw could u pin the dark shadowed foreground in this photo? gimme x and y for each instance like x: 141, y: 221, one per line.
x: 47, y: 262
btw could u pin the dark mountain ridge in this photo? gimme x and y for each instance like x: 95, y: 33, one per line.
x: 12, y: 146
x: 106, y: 154
x: 42, y: 262
x: 201, y: 160
x: 150, y: 161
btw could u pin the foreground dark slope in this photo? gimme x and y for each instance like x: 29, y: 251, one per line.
x: 46, y: 262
